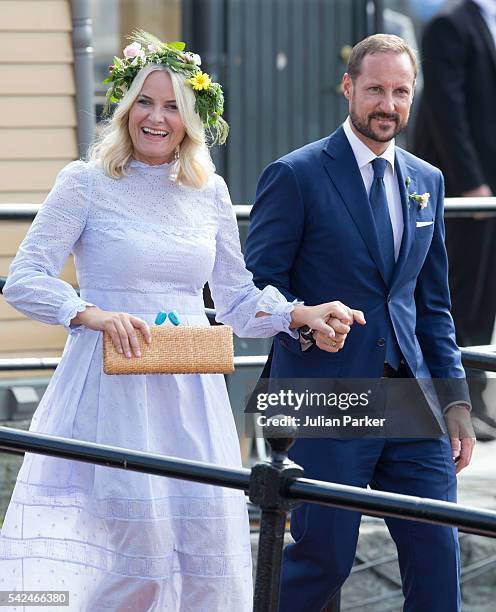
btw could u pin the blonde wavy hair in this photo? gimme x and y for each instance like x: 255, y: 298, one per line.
x: 114, y: 147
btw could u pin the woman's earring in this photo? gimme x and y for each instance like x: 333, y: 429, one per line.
x: 176, y: 154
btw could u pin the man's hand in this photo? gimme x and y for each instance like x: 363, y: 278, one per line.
x: 332, y: 344
x: 461, y: 434
x: 482, y: 191
x: 331, y: 323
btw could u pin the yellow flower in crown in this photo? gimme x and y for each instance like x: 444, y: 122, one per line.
x: 200, y: 81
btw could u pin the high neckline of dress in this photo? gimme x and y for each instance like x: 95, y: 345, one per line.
x: 158, y: 169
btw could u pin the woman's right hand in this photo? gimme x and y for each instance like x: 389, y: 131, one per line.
x: 120, y: 325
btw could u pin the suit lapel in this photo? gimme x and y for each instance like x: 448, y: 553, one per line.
x: 402, y: 172
x: 342, y: 168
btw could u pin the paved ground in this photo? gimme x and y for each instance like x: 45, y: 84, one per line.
x: 477, y: 483
x: 381, y: 586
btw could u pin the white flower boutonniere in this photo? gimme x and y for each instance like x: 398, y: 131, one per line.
x: 422, y: 199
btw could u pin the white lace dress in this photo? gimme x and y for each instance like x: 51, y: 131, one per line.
x: 119, y: 540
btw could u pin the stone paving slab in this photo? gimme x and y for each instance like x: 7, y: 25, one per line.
x: 477, y: 487
x: 477, y: 482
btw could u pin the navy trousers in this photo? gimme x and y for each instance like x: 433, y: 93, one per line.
x: 320, y: 559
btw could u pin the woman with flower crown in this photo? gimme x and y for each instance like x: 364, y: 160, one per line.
x: 149, y: 223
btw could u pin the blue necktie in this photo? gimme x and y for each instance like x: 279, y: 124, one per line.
x: 380, y: 211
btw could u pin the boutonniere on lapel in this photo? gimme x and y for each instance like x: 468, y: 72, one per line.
x: 421, y: 199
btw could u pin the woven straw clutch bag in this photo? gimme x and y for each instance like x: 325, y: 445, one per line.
x: 176, y: 350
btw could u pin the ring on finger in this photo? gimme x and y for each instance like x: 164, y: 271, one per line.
x: 334, y: 343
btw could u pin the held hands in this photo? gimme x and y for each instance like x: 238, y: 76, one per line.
x: 331, y: 323
x: 120, y: 325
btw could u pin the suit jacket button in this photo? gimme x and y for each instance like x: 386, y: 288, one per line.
x: 381, y: 342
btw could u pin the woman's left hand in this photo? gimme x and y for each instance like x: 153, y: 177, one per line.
x: 333, y: 320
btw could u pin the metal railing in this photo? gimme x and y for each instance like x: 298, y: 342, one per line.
x: 475, y: 359
x: 454, y: 207
x: 274, y: 486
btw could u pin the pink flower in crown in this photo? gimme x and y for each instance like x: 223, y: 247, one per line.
x: 424, y: 200
x: 153, y: 48
x: 191, y: 58
x: 133, y: 50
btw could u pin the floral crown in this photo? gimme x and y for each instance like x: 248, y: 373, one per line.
x: 147, y: 49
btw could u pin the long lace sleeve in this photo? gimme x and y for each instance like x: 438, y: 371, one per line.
x: 33, y: 286
x: 236, y: 298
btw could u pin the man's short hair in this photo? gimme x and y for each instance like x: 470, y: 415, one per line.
x: 379, y: 43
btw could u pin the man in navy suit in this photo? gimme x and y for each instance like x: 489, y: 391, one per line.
x: 354, y: 218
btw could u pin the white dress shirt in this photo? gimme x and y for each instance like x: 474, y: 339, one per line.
x: 364, y: 157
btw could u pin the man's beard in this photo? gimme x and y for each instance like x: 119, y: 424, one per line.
x: 366, y: 130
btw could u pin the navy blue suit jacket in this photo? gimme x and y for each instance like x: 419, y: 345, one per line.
x: 312, y: 236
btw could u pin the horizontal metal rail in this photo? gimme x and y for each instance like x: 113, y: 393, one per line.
x: 18, y: 212
x: 469, y: 520
x: 475, y: 359
x: 480, y: 358
x: 374, y: 503
x: 18, y: 441
x: 466, y: 207
x: 24, y: 364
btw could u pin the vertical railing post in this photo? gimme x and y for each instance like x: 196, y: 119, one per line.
x: 83, y: 72
x: 267, y: 490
